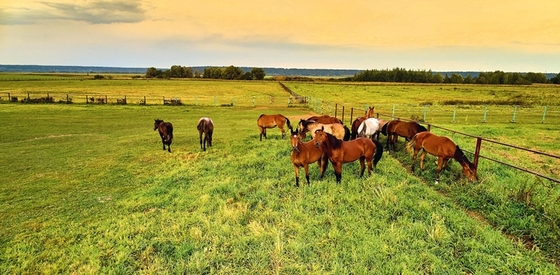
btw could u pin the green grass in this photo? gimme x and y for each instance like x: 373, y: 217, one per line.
x: 87, y: 189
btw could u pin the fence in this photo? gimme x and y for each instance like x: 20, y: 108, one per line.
x: 217, y: 101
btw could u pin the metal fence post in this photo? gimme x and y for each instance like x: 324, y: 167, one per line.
x: 425, y: 110
x: 393, y: 114
x: 514, y: 113
x: 485, y: 110
x: 543, y: 114
x: 454, y: 114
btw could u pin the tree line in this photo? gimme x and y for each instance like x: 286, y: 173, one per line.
x: 423, y: 76
x: 230, y: 73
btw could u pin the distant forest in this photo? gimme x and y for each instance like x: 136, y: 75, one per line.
x: 386, y: 75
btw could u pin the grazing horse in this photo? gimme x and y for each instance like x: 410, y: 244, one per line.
x: 369, y: 128
x: 395, y: 128
x: 305, y: 153
x: 325, y: 119
x: 338, y: 130
x: 271, y: 121
x: 358, y: 121
x: 205, y: 126
x: 340, y: 152
x: 441, y: 147
x: 165, y: 130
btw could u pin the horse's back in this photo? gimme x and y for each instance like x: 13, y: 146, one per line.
x: 436, y: 145
x: 205, y: 124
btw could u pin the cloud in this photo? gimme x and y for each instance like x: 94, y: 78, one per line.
x: 93, y: 12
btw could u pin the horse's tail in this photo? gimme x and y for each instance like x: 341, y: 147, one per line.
x: 360, y: 128
x: 347, y: 134
x: 384, y: 128
x: 378, y: 151
x: 288, y: 122
x: 411, y: 144
x: 169, y: 136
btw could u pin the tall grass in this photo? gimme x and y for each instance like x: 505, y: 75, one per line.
x: 87, y: 189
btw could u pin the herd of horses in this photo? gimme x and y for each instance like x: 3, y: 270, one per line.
x: 332, y: 141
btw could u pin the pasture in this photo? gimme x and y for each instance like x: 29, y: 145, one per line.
x: 88, y: 189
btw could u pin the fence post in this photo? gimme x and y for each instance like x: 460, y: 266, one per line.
x: 335, y: 109
x: 514, y: 113
x: 106, y: 101
x: 393, y: 114
x: 454, y: 114
x: 543, y: 114
x: 485, y: 110
x: 342, y: 114
x: 67, y: 98
x: 425, y: 110
x: 9, y: 97
x: 87, y: 100
x: 164, y: 100
x: 477, y: 154
x: 253, y: 101
x: 233, y: 104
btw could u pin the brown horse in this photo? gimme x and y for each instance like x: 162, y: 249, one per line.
x: 165, y: 130
x: 441, y: 147
x: 358, y: 121
x: 340, y: 152
x: 325, y: 119
x: 395, y: 128
x: 271, y: 121
x: 338, y: 130
x: 205, y: 126
x: 305, y: 153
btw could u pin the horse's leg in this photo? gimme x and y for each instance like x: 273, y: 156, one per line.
x: 296, y: 169
x: 200, y: 138
x: 338, y: 171
x: 362, y: 166
x: 162, y: 140
x: 260, y: 133
x: 439, y: 165
x: 414, y: 155
x: 306, y: 168
x: 445, y: 161
x: 282, y: 130
x: 323, y: 162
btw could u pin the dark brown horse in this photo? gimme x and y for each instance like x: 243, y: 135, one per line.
x: 325, y: 119
x: 358, y: 121
x: 441, y: 147
x: 395, y: 128
x: 165, y: 130
x: 340, y: 152
x: 305, y: 153
x: 205, y: 126
x: 271, y: 121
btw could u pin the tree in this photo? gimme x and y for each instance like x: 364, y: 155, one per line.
x: 232, y: 72
x: 152, y: 72
x: 258, y: 73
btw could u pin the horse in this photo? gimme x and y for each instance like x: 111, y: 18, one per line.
x: 325, y: 119
x: 339, y: 152
x: 338, y: 130
x: 369, y: 128
x: 305, y: 153
x: 395, y: 128
x: 165, y: 130
x: 271, y: 121
x: 441, y: 147
x: 358, y: 121
x: 205, y: 126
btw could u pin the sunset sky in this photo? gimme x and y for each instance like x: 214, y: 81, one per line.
x: 472, y: 35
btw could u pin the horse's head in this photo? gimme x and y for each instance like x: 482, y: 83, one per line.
x: 320, y: 137
x: 469, y: 171
x: 369, y: 112
x: 157, y: 122
x: 294, y: 139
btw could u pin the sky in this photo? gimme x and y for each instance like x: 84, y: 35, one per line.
x: 437, y: 35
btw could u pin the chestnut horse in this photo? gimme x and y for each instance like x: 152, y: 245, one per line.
x: 395, y: 128
x: 205, y: 126
x: 338, y: 130
x: 305, y: 153
x: 358, y: 121
x: 271, y: 121
x: 441, y: 147
x: 325, y: 119
x: 340, y: 152
x: 165, y: 130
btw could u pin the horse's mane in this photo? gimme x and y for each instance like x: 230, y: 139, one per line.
x: 334, y: 142
x: 461, y: 158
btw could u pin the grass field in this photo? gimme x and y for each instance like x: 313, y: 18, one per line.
x: 87, y: 189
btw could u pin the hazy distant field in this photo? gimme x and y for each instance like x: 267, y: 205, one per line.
x: 87, y: 189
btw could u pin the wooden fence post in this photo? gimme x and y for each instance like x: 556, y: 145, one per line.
x: 342, y: 114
